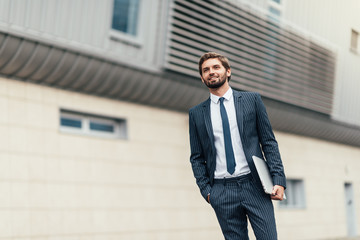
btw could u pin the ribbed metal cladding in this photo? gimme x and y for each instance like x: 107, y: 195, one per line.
x: 265, y: 56
x: 41, y: 63
x: 36, y: 62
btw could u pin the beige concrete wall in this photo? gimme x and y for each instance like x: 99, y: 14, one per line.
x: 334, y: 24
x: 61, y: 186
x: 325, y: 167
x: 55, y: 185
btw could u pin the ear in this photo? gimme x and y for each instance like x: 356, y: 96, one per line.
x: 228, y: 72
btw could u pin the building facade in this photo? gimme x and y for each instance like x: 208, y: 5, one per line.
x: 93, y: 113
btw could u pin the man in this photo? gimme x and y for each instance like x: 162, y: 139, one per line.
x: 225, y: 132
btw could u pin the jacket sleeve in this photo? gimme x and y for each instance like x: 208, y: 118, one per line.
x: 269, y: 144
x: 197, y: 159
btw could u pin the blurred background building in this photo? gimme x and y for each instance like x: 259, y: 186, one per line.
x: 93, y: 113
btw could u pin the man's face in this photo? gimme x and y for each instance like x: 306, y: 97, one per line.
x: 214, y: 74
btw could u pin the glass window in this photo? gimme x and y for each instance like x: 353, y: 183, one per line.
x: 295, y: 194
x: 125, y: 16
x: 69, y: 122
x: 275, y: 11
x: 101, y: 127
x: 354, y: 40
x: 276, y: 8
x: 89, y: 124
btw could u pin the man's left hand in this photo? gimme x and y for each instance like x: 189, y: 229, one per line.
x: 277, y: 193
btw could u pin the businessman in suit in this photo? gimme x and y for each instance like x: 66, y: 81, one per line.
x: 225, y: 132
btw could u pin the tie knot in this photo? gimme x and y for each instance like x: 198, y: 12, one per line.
x: 221, y: 99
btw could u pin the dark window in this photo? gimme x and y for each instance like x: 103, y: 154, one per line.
x: 125, y: 16
x: 354, y: 40
x: 275, y: 11
x: 92, y: 125
x: 295, y: 194
x: 69, y: 122
x: 101, y: 127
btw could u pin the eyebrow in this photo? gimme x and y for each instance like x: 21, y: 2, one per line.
x: 215, y: 65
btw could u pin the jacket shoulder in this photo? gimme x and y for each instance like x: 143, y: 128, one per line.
x: 247, y: 94
x: 198, y: 107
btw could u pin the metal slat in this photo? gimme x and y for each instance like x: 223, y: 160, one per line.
x: 62, y: 68
x: 153, y: 84
x: 268, y: 94
x: 259, y: 83
x: 34, y: 62
x: 242, y: 66
x: 262, y: 25
x: 23, y: 52
x: 286, y: 114
x: 253, y: 78
x: 251, y: 83
x: 291, y: 75
x: 7, y: 49
x: 181, y: 69
x: 262, y: 54
x: 129, y: 85
x: 109, y: 82
x: 97, y: 79
x: 286, y: 54
x: 288, y: 32
x: 118, y: 88
x: 88, y: 71
x: 50, y: 59
x: 73, y: 72
x: 282, y: 90
x: 245, y: 53
x: 142, y: 88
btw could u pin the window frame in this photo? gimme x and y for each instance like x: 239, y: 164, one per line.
x: 354, y: 44
x: 120, y: 36
x: 119, y: 125
x: 295, y: 195
x: 71, y: 129
x: 272, y: 4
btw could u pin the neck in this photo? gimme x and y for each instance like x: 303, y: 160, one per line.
x: 221, y: 90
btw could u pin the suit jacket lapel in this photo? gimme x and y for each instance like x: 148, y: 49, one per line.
x: 207, y: 118
x: 239, y: 112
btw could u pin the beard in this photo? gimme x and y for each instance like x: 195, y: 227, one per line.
x: 216, y: 84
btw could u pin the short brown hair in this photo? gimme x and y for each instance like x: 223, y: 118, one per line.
x: 224, y: 61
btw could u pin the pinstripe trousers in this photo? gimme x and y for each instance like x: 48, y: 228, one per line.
x: 235, y: 200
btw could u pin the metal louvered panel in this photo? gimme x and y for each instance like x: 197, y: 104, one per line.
x: 265, y: 56
x: 93, y: 75
x: 40, y: 63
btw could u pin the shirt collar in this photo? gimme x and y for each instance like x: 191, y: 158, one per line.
x: 228, y: 95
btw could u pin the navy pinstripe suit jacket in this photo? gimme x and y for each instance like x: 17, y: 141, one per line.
x: 256, y: 136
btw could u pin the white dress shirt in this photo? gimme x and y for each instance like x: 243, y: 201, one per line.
x: 240, y: 159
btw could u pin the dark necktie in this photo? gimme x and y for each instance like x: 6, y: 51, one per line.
x: 230, y: 159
